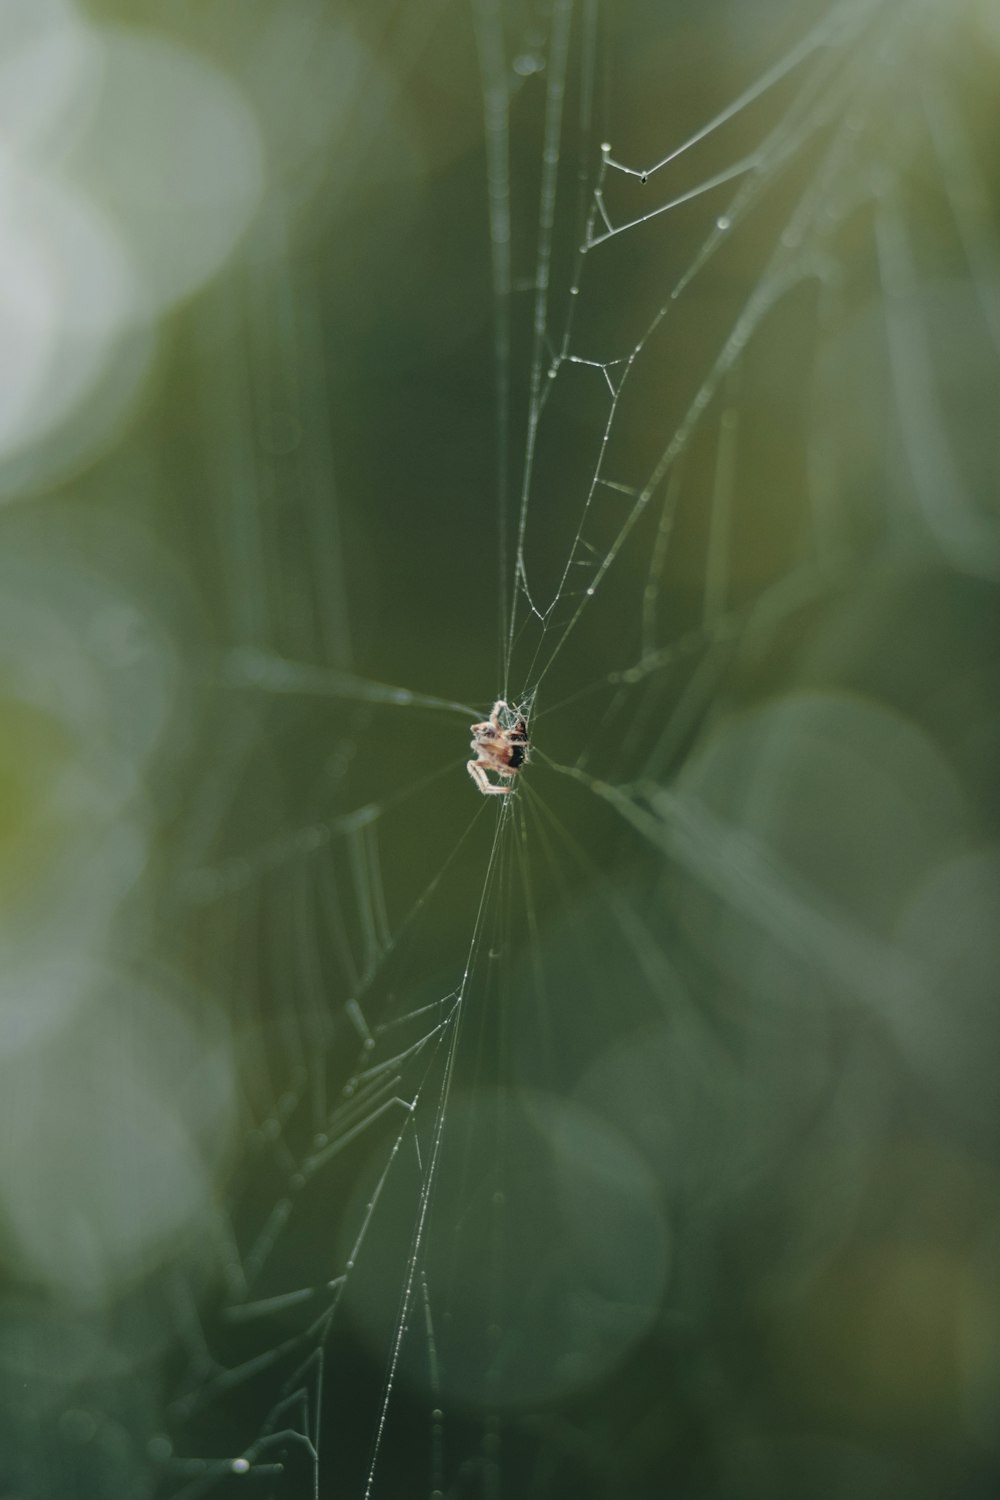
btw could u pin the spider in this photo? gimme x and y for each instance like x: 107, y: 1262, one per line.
x: 499, y: 747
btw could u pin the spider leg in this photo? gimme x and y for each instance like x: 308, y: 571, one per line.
x: 476, y: 769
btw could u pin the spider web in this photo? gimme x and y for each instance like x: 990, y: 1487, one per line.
x: 451, y: 1232
x: 538, y: 1098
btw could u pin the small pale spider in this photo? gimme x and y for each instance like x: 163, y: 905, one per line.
x: 500, y: 745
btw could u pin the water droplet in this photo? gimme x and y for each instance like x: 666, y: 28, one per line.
x: 723, y: 222
x: 241, y: 1466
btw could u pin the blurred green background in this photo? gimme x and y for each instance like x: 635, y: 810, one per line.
x: 360, y: 365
